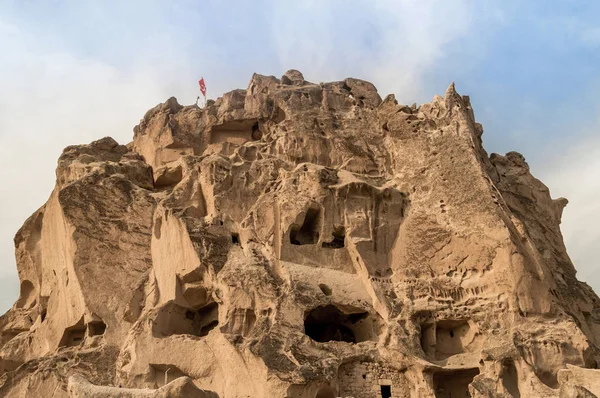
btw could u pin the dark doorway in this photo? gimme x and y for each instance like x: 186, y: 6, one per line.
x: 328, y: 323
x: 386, y: 391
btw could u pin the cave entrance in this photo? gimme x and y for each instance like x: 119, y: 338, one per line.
x: 175, y: 319
x: 308, y: 233
x: 96, y: 328
x: 325, y: 392
x: 453, y: 384
x: 235, y: 132
x: 449, y: 336
x: 445, y: 338
x: 329, y: 323
x: 337, y: 242
x: 510, y: 378
x: 73, y: 335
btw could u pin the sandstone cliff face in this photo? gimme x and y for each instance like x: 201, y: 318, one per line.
x: 299, y: 240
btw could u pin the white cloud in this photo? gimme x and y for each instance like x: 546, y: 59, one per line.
x: 52, y: 99
x: 390, y: 43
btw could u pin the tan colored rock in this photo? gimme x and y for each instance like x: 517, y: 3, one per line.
x: 79, y: 387
x: 299, y: 240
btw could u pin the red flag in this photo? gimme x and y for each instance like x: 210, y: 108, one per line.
x: 202, y: 86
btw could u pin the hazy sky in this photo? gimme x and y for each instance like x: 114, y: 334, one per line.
x: 75, y: 71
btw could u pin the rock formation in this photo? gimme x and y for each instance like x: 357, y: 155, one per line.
x: 299, y: 240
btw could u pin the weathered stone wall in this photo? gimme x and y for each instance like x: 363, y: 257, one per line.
x: 366, y: 379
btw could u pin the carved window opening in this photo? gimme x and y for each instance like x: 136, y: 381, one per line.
x: 73, y: 335
x: 175, y: 319
x: 235, y: 132
x: 445, y: 338
x: 235, y: 238
x: 96, y: 328
x: 308, y: 233
x: 241, y: 322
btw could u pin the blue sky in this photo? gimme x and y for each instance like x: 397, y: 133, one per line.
x: 74, y: 71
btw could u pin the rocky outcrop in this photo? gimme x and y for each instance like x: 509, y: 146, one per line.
x: 299, y: 240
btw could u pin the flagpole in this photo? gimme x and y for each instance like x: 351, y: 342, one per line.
x: 203, y: 90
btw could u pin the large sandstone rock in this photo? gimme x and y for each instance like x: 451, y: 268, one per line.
x: 299, y: 240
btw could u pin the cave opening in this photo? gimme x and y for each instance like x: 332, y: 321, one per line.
x: 510, y: 378
x: 256, y: 133
x: 308, y: 233
x: 96, y: 328
x: 175, y: 319
x: 73, y: 335
x: 445, y: 338
x: 453, y: 384
x: 329, y: 323
x: 337, y: 241
x: 325, y: 392
x: 548, y: 378
x: 235, y: 131
x: 326, y: 290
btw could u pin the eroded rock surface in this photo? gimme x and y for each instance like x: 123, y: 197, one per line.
x: 299, y: 240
